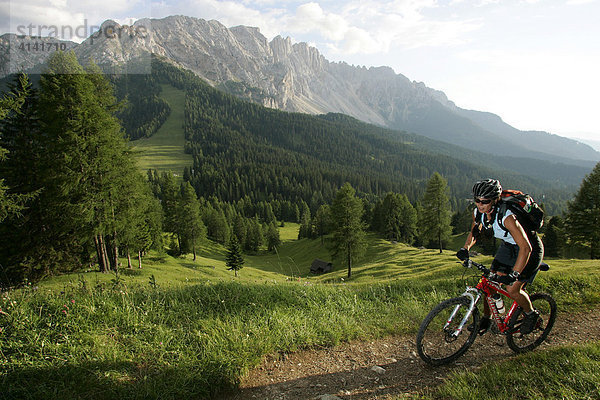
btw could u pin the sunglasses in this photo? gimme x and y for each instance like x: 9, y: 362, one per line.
x: 482, y: 201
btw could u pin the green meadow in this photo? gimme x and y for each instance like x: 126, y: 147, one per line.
x: 164, y: 151
x: 178, y: 328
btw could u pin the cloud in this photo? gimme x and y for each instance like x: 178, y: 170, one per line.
x: 579, y: 2
x: 67, y: 19
x: 374, y: 26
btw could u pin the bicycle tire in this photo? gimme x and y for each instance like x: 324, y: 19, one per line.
x: 546, y: 306
x: 436, y: 345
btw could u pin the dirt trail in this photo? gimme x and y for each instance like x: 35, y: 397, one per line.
x: 346, y: 370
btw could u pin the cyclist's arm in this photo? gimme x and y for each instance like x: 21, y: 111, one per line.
x: 516, y: 231
x: 471, y: 238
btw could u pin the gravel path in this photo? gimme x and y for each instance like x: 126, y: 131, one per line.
x: 386, y: 368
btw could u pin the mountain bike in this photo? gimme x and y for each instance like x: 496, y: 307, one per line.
x: 452, y: 326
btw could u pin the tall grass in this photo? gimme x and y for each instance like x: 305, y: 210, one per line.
x: 569, y: 373
x: 182, y: 329
x: 148, y: 342
x: 108, y: 340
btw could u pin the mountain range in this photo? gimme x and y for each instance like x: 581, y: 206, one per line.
x: 296, y: 77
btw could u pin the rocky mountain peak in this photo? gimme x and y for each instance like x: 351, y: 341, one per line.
x: 296, y: 77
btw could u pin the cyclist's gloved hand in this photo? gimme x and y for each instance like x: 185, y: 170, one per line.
x: 506, y: 279
x: 462, y: 254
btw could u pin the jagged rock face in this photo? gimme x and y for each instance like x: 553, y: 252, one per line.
x: 293, y: 77
x: 296, y: 77
x: 27, y: 53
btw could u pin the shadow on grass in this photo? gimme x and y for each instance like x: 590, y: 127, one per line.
x: 196, y: 267
x: 112, y: 380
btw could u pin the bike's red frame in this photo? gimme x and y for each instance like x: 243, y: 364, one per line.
x: 489, y: 288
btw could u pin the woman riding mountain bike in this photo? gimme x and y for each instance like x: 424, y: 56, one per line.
x: 518, y: 257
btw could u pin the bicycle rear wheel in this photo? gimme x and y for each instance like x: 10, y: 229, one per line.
x: 546, y: 306
x: 438, y: 340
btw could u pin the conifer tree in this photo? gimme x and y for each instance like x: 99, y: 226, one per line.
x: 435, y: 216
x: 234, y: 259
x: 322, y: 221
x: 554, y: 237
x: 190, y: 225
x: 348, y: 241
x: 18, y: 126
x: 272, y: 237
x: 583, y: 215
x: 254, y: 236
x: 83, y: 167
x: 305, y: 230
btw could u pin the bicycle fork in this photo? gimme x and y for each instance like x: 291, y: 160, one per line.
x: 474, y: 295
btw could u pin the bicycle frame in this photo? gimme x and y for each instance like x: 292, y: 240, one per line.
x: 487, y: 289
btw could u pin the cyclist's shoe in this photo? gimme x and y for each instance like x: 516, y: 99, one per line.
x: 529, y: 322
x: 484, y: 325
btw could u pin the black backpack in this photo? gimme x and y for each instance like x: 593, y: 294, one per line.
x: 529, y: 214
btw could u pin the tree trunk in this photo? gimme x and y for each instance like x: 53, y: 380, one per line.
x: 594, y: 245
x: 129, y: 266
x: 104, y: 254
x: 349, y: 255
x: 101, y: 264
x: 115, y: 250
x: 140, y: 259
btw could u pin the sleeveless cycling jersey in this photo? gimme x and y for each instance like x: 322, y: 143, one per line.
x: 498, y: 231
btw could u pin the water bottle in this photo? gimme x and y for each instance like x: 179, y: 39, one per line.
x: 499, y: 303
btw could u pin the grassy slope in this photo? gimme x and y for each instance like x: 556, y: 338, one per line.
x: 199, y: 329
x: 164, y: 151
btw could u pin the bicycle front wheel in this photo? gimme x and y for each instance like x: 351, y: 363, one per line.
x: 439, y: 340
x: 546, y: 306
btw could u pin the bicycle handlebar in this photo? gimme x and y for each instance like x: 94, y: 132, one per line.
x: 468, y: 263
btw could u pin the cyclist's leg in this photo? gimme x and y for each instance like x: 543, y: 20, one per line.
x: 517, y: 289
x: 517, y: 292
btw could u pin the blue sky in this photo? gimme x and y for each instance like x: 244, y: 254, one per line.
x: 535, y: 63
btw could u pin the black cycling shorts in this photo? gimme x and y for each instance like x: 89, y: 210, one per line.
x: 507, y: 254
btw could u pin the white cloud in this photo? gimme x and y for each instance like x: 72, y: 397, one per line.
x: 67, y: 19
x: 367, y: 27
x: 579, y: 2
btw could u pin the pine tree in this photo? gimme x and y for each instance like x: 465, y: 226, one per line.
x: 305, y: 230
x: 254, y: 236
x: 190, y: 226
x: 322, y: 221
x: 272, y: 237
x: 83, y: 166
x: 234, y: 259
x: 18, y: 127
x: 348, y: 241
x: 435, y: 217
x: 554, y: 238
x: 583, y: 215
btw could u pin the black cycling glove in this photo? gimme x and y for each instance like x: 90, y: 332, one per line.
x: 462, y: 254
x: 506, y: 279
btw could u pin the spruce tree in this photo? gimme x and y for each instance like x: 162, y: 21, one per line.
x: 19, y: 126
x: 583, y: 215
x: 234, y: 259
x: 190, y: 226
x: 554, y: 238
x: 272, y: 237
x: 322, y: 221
x: 436, y: 214
x: 348, y: 241
x: 82, y: 167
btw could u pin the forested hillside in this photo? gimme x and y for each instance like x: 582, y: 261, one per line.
x: 241, y: 149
